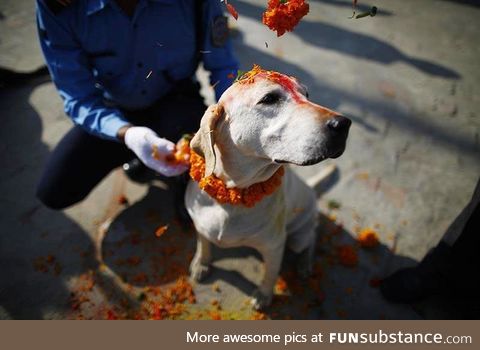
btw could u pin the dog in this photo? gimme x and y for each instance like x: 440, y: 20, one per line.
x: 259, y: 125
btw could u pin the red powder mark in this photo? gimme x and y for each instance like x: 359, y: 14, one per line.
x: 288, y: 84
x: 284, y: 81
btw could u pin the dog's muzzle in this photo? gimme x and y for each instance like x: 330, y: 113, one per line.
x: 331, y: 142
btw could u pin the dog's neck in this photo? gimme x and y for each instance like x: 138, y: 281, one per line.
x: 240, y: 171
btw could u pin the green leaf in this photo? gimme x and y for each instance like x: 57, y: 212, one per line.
x: 333, y: 204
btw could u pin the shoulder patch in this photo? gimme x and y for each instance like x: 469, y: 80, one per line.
x: 219, y: 31
x: 56, y: 6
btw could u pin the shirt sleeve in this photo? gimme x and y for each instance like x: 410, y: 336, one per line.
x: 71, y: 73
x: 218, y: 56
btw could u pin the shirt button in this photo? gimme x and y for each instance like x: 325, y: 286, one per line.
x: 139, y: 64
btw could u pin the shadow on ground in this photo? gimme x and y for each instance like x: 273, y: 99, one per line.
x: 473, y: 3
x: 132, y: 249
x: 36, y: 258
x: 148, y: 265
x: 354, y: 44
x: 41, y: 251
x: 359, y: 8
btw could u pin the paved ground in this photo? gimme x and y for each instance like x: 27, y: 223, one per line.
x: 408, y: 78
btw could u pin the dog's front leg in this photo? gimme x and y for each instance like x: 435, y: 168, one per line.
x: 272, y: 257
x: 200, y: 265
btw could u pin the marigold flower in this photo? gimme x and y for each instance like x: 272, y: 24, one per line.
x: 258, y: 316
x: 368, y: 238
x: 161, y: 230
x: 214, y: 315
x: 111, y: 315
x: 181, y: 153
x: 281, y: 285
x: 284, y: 15
x: 217, y: 189
x: 375, y: 282
x: 347, y: 255
x: 232, y: 10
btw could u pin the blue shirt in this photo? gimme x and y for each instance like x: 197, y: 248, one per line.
x: 94, y: 51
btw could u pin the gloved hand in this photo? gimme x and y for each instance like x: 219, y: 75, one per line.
x: 142, y: 141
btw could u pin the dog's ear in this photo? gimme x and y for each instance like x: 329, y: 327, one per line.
x: 203, y: 141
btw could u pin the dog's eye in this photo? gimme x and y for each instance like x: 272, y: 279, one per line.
x: 270, y: 98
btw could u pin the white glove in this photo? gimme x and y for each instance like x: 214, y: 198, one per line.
x: 142, y: 141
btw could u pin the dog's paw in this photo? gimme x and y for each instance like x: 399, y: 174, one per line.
x: 260, y: 300
x: 198, y: 272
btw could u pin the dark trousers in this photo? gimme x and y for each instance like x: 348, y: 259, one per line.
x: 80, y: 160
x: 466, y: 257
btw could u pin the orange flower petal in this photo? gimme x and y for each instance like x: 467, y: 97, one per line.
x: 161, y: 230
x: 232, y: 10
x: 368, y: 238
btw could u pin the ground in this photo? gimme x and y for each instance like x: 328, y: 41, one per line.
x: 408, y: 78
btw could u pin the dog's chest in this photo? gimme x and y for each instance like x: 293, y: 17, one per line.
x: 230, y: 226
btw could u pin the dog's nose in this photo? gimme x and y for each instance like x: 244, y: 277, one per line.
x: 339, y: 123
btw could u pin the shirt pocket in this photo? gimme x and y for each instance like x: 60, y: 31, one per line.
x: 106, y: 65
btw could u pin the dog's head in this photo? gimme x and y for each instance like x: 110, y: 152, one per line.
x: 267, y: 115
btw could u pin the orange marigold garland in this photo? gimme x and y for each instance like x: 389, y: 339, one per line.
x: 182, y: 151
x: 214, y: 186
x: 217, y: 189
x: 284, y: 15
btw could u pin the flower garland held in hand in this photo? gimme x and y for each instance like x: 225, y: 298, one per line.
x: 180, y: 155
x: 283, y: 15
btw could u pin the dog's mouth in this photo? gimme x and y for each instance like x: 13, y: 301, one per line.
x: 304, y: 163
x: 314, y: 160
x: 337, y: 153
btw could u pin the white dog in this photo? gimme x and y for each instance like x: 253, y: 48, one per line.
x: 257, y: 127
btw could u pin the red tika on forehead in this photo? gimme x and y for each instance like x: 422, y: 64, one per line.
x: 283, y: 80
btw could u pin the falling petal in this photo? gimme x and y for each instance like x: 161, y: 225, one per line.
x: 232, y: 10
